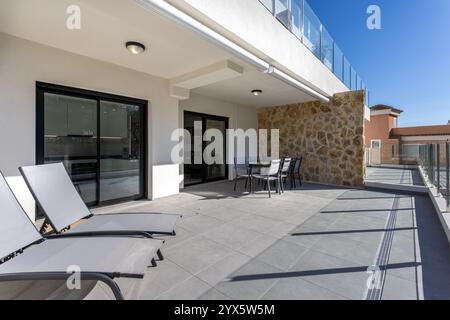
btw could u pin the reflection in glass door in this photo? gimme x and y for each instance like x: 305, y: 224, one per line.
x: 105, y: 170
x: 197, y: 124
x: 71, y: 137
x: 120, y: 150
x: 217, y: 170
x: 193, y: 173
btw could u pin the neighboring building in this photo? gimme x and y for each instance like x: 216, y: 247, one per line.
x: 384, y: 149
x: 389, y: 144
x: 77, y: 95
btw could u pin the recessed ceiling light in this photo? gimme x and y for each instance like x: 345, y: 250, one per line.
x: 257, y: 92
x: 135, y: 47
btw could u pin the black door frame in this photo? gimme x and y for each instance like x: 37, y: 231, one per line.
x: 205, y: 117
x: 43, y: 87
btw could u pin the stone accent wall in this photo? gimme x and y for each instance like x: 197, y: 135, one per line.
x: 329, y: 137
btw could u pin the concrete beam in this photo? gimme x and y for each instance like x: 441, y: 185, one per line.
x: 208, y: 75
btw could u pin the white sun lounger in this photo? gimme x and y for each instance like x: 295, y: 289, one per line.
x: 26, y: 255
x: 58, y: 199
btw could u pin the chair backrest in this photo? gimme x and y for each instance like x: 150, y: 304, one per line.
x: 286, y: 165
x: 272, y: 170
x: 55, y: 194
x: 17, y: 231
x: 240, y: 167
x: 298, y: 164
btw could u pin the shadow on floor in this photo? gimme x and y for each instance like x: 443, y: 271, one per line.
x: 434, y: 251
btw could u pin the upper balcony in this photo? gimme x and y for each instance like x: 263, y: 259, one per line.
x: 286, y: 33
x: 299, y: 18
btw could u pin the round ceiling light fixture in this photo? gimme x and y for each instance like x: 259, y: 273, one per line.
x: 135, y: 47
x: 257, y: 92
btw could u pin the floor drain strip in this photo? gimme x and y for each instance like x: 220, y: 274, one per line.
x: 379, y: 269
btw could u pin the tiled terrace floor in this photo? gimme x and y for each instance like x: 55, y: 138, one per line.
x: 312, y: 243
x: 394, y: 176
x: 316, y: 242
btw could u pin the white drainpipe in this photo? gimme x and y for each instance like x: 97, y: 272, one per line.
x: 169, y: 11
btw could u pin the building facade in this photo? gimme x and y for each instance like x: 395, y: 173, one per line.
x: 389, y: 144
x: 103, y: 85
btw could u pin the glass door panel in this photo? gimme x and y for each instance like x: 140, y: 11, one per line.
x: 201, y: 172
x: 120, y: 151
x: 193, y: 173
x: 70, y: 136
x: 217, y: 170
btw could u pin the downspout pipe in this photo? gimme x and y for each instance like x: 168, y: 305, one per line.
x: 181, y: 18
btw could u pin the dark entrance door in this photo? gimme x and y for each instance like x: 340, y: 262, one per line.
x: 203, y: 172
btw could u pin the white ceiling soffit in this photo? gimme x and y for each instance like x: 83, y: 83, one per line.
x: 172, y: 49
x: 106, y: 25
x: 185, y: 20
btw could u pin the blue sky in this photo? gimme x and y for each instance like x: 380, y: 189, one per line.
x: 407, y: 63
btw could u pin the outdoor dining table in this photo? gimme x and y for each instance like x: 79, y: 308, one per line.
x: 253, y: 165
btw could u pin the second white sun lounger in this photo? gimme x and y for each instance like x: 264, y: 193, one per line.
x: 57, y: 197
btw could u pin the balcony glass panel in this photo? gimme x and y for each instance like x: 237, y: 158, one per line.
x: 268, y: 4
x: 338, y: 63
x: 297, y: 17
x: 358, y: 82
x: 283, y: 12
x: 327, y: 49
x: 311, y: 36
x: 353, y: 81
x: 347, y: 74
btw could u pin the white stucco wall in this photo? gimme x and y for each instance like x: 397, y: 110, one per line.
x: 251, y: 25
x: 22, y: 63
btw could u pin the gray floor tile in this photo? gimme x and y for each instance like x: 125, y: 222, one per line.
x: 347, y: 249
x: 223, y: 268
x: 250, y: 282
x: 213, y: 294
x: 159, y: 280
x: 297, y: 289
x: 255, y: 247
x: 197, y: 254
x: 200, y: 223
x: 191, y: 289
x: 282, y: 254
x: 227, y: 214
x: 400, y: 289
x: 231, y: 236
x: 342, y: 277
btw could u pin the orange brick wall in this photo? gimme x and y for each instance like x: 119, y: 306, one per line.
x: 379, y: 127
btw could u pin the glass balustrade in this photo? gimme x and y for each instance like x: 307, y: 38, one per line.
x: 299, y: 18
x: 338, y: 64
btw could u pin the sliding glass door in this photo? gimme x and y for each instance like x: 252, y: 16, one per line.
x: 99, y: 138
x: 196, y: 172
x: 217, y: 171
x: 120, y: 150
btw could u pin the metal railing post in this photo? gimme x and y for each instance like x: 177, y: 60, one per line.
x: 438, y: 167
x: 429, y: 162
x: 447, y: 158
